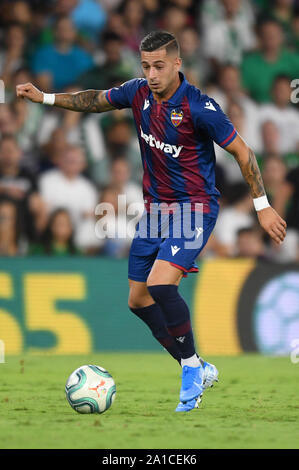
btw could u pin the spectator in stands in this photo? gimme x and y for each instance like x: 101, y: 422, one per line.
x: 286, y: 203
x: 118, y: 132
x: 121, y: 141
x: 274, y: 173
x: 133, y: 14
x: 89, y: 17
x: 120, y: 181
x: 106, y: 137
x: 116, y: 221
x: 53, y: 150
x: 194, y: 67
x: 284, y: 115
x: 237, y: 215
x: 111, y: 5
x: 250, y: 243
x: 58, y: 237
x: 44, y: 35
x: 115, y: 23
x: 186, y: 4
x: 174, y: 19
x: 17, y: 11
x: 60, y: 64
x: 260, y: 68
x: 281, y: 11
x: 270, y: 138
x: 226, y: 40
x: 21, y: 75
x: 28, y: 117
x: 20, y: 185
x: 8, y: 123
x: 235, y: 112
x: 21, y: 120
x: 152, y: 14
x: 12, y: 55
x: 9, y: 229
x: 43, y: 25
x: 227, y: 87
x: 113, y: 71
x: 212, y: 11
x: 64, y: 7
x: 84, y: 131
x: 230, y: 90
x: 66, y: 120
x: 295, y: 33
x: 66, y: 187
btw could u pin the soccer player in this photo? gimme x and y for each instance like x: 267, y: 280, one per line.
x: 176, y: 126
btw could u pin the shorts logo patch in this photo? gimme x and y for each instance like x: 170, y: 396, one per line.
x: 174, y: 250
x: 176, y: 117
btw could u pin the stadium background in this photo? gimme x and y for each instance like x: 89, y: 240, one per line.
x: 63, y: 290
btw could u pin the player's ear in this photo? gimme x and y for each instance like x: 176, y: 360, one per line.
x: 177, y: 63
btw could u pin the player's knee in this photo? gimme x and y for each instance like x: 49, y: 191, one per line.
x: 134, y: 305
x: 163, y: 292
x: 138, y: 301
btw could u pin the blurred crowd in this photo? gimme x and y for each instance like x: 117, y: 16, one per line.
x: 57, y: 165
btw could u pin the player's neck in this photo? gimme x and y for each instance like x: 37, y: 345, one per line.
x: 169, y: 92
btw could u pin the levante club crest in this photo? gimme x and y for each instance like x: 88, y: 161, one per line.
x: 176, y: 117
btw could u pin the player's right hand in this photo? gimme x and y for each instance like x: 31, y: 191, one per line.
x: 273, y: 224
x: 27, y: 90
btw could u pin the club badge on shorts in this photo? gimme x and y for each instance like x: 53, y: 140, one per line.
x: 176, y: 117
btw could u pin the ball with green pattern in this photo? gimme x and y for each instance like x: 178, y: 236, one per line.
x: 90, y: 389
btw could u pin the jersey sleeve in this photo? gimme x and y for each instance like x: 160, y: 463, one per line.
x: 122, y: 96
x: 213, y: 121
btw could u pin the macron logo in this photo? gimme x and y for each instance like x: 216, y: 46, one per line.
x: 210, y: 106
x: 146, y: 104
x: 181, y: 339
x: 199, y: 231
x: 174, y: 250
x: 167, y: 148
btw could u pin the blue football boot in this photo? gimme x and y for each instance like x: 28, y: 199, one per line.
x: 188, y: 405
x: 210, y: 375
x: 192, y: 383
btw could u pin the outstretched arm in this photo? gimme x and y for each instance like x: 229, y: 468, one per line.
x: 271, y: 222
x: 88, y: 101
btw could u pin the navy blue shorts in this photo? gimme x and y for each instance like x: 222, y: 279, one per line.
x: 170, y: 237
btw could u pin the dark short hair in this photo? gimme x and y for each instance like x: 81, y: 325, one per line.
x: 110, y: 36
x: 47, y: 235
x: 265, y: 21
x: 280, y: 78
x: 246, y: 231
x: 21, y: 69
x: 8, y: 136
x: 236, y: 192
x: 157, y: 40
x: 62, y: 17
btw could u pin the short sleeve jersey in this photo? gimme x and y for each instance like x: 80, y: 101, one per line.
x: 176, y: 141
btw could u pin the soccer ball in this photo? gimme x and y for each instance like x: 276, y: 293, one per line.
x: 90, y: 389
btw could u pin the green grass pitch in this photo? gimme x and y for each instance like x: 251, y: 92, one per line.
x: 255, y: 404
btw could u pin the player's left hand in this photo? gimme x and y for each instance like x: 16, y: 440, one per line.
x: 273, y: 224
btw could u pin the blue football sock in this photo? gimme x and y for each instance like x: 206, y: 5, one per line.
x: 177, y: 316
x: 154, y: 318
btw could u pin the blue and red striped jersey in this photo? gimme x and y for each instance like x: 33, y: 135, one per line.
x: 176, y: 141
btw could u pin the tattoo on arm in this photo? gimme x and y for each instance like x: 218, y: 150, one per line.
x: 252, y: 175
x: 88, y: 101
